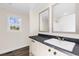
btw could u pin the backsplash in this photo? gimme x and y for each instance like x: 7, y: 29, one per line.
x: 76, y: 40
x: 76, y: 36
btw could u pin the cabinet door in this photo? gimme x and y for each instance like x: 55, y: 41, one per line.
x: 58, y: 53
x: 39, y: 49
x: 34, y: 48
x: 45, y: 50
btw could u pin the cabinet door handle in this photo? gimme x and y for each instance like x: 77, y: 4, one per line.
x: 55, y: 53
x: 49, y: 50
x: 33, y: 41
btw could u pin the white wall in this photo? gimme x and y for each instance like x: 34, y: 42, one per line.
x: 33, y: 22
x: 13, y: 40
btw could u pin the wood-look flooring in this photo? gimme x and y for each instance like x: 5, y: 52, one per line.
x: 19, y: 52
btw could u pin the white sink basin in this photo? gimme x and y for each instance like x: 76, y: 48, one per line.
x: 62, y: 44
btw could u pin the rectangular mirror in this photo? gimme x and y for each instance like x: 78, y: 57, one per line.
x: 64, y: 17
x: 44, y: 21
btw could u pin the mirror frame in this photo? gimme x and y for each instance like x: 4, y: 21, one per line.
x: 48, y: 19
x: 52, y: 22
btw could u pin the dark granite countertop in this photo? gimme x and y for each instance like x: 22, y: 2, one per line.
x: 41, y: 38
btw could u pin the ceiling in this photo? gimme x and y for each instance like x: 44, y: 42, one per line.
x: 21, y: 7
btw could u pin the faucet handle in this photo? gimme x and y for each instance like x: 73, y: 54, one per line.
x: 62, y: 38
x: 59, y: 38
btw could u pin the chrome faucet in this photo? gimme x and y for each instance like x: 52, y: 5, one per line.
x: 60, y: 38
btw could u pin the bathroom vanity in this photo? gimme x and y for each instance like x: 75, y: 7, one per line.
x: 64, y: 19
x: 39, y: 47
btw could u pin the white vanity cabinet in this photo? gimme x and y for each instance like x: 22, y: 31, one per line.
x: 40, y: 49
